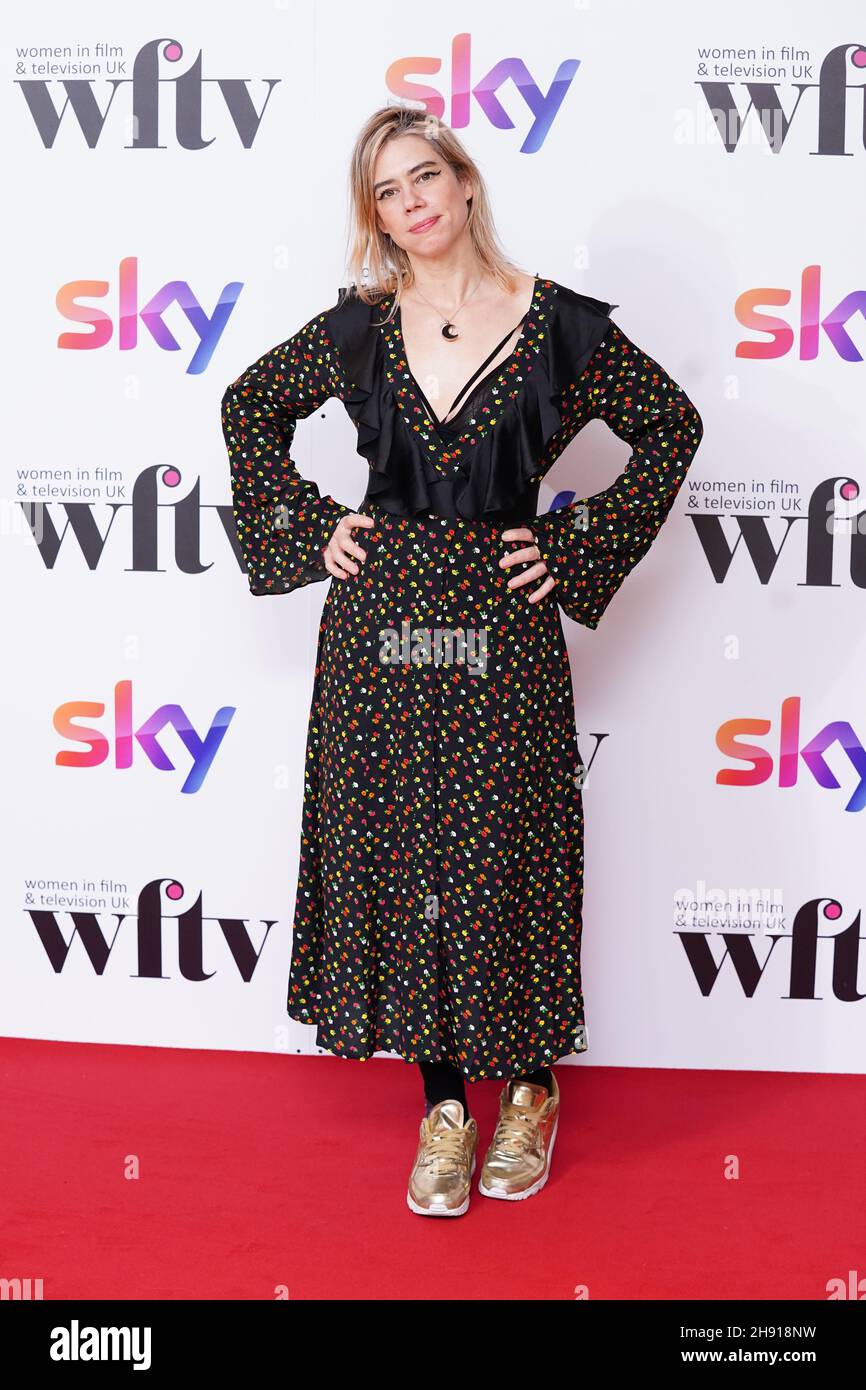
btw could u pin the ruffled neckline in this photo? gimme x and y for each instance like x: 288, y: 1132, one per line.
x: 496, y: 464
x: 505, y: 386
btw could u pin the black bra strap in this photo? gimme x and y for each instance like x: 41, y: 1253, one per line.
x: 475, y: 375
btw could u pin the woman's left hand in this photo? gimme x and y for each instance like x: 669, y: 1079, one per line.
x: 516, y: 557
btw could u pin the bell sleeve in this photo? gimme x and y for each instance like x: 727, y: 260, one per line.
x: 591, y: 545
x: 282, y: 522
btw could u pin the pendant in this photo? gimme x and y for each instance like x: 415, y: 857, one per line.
x: 450, y: 332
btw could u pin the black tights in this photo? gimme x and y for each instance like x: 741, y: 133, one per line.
x: 442, y: 1081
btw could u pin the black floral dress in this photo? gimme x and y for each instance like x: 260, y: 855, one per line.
x: 438, y: 911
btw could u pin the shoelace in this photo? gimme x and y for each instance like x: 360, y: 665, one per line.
x: 516, y: 1130
x: 445, y: 1148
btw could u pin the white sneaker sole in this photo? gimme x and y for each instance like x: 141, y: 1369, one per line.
x: 439, y: 1208
x: 529, y: 1191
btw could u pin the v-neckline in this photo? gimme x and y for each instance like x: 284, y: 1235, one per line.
x: 445, y: 453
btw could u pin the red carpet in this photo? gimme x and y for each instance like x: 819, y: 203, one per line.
x: 258, y: 1170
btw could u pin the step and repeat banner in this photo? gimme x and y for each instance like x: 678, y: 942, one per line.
x: 176, y: 205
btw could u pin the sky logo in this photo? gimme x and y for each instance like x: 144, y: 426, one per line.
x: 759, y: 764
x: 812, y: 321
x: 208, y: 328
x: 543, y: 106
x: 202, y: 750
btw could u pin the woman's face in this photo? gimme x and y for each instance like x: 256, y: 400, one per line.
x: 413, y: 187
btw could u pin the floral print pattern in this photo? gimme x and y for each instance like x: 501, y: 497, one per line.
x: 438, y: 912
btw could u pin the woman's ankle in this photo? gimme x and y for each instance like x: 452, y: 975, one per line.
x: 443, y: 1081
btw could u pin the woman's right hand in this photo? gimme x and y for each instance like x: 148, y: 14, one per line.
x: 337, y: 553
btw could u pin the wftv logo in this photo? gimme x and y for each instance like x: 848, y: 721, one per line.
x: 153, y: 500
x: 841, y: 64
x: 802, y: 945
x: 148, y: 929
x: 153, y: 73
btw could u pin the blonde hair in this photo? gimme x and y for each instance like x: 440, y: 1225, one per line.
x: 375, y: 264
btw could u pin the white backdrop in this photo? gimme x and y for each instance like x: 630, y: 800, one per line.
x: 155, y: 250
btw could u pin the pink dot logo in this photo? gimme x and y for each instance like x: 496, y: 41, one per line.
x: 833, y: 911
x: 171, y: 477
x: 172, y: 51
x: 174, y: 891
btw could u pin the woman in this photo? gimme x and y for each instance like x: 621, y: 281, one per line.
x: 439, y: 901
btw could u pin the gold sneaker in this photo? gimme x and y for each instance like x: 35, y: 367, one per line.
x: 441, y: 1177
x: 517, y: 1164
